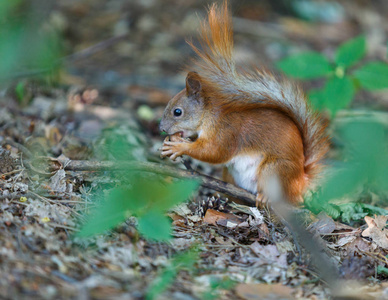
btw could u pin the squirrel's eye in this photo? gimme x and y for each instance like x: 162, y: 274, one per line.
x: 177, y: 112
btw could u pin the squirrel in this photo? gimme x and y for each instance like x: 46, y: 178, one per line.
x: 255, y: 124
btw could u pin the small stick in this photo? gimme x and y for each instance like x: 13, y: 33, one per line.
x: 206, y: 181
x: 95, y: 48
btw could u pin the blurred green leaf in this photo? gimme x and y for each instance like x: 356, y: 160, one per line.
x: 6, y: 7
x: 366, y: 152
x: 382, y: 270
x: 332, y: 210
x: 154, y: 225
x: 217, y: 284
x: 374, y: 210
x: 373, y: 75
x: 20, y: 91
x: 344, y: 181
x: 351, y: 51
x: 170, y: 195
x: 163, y: 281
x: 148, y: 200
x: 365, y: 140
x: 307, y: 65
x: 26, y: 47
x: 109, y: 213
x: 352, y: 212
x: 183, y: 261
x: 317, y: 98
x: 338, y: 93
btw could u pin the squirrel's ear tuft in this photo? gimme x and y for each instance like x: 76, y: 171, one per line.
x: 193, y: 83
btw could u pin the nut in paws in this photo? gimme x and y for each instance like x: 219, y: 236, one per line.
x: 174, y: 147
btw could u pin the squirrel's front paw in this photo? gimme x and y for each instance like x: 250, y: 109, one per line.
x: 175, y: 148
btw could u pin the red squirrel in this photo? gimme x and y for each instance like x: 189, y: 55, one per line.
x: 256, y: 125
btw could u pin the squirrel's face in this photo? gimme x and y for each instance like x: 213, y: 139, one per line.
x: 184, y: 112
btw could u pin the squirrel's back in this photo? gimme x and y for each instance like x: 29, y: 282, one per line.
x: 220, y: 79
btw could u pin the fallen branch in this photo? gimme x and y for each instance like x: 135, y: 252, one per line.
x: 206, y: 181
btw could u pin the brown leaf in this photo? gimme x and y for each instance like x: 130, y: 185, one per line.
x: 376, y: 230
x: 53, y: 135
x: 359, y: 244
x: 381, y: 221
x: 177, y: 220
x: 270, y: 253
x: 215, y: 217
x: 324, y: 225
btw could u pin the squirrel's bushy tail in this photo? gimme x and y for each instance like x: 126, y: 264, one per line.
x: 217, y: 69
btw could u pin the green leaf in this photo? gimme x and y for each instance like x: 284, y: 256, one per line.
x: 163, y: 281
x: 343, y: 181
x: 26, y: 48
x: 382, y: 270
x: 110, y: 213
x: 374, y: 210
x: 216, y: 287
x: 349, y: 210
x: 359, y: 216
x: 365, y: 140
x: 20, y: 91
x: 185, y: 260
x: 137, y: 200
x: 154, y: 225
x: 350, y: 52
x: 170, y: 195
x: 307, y: 65
x: 373, y: 76
x: 317, y: 98
x: 7, y: 6
x: 338, y: 92
x: 331, y: 210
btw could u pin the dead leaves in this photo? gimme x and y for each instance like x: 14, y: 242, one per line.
x: 220, y: 218
x: 251, y: 291
x: 376, y: 230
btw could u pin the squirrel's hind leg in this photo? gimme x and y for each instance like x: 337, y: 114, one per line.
x: 261, y: 200
x: 281, y: 177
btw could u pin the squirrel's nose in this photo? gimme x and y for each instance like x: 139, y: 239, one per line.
x: 161, y: 127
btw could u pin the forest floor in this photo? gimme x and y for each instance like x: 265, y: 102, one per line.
x: 117, y: 89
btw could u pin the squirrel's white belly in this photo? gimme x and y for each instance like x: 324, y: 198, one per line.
x: 243, y: 168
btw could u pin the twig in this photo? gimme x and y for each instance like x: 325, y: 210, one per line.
x: 95, y: 48
x: 15, y: 195
x: 68, y: 59
x: 12, y: 172
x: 206, y: 181
x: 56, y: 225
x: 20, y: 147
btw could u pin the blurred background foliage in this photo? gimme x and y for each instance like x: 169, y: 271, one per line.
x: 29, y: 46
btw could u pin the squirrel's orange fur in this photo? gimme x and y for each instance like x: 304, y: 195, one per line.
x: 259, y: 126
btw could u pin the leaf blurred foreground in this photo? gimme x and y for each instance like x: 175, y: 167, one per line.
x: 147, y: 200
x: 27, y: 47
x: 364, y: 167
